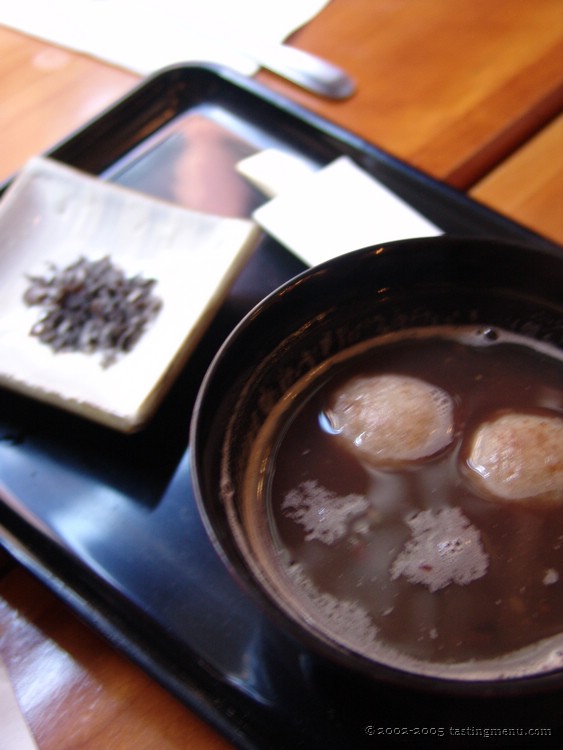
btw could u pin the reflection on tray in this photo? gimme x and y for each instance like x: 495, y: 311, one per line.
x: 192, y: 163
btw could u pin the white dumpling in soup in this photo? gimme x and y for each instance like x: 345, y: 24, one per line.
x: 518, y: 456
x: 392, y: 419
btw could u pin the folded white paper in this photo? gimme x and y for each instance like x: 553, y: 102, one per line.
x: 333, y: 210
x: 143, y: 35
x: 273, y: 171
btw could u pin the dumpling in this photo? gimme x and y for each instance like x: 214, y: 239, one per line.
x: 392, y: 419
x: 518, y: 456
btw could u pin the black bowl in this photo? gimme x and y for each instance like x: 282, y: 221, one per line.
x: 358, y: 296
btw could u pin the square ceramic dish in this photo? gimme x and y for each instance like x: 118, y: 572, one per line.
x: 54, y: 214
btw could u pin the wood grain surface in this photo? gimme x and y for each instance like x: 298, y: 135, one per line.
x: 452, y: 87
x: 528, y: 186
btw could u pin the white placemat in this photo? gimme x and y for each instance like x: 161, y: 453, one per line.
x: 146, y: 35
x: 14, y: 734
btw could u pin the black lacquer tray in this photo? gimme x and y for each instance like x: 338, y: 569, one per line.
x: 109, y: 521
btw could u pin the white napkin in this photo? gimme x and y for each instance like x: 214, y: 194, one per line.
x: 14, y: 732
x: 145, y: 35
x: 321, y: 213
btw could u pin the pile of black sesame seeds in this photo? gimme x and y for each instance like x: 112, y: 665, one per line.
x: 92, y: 307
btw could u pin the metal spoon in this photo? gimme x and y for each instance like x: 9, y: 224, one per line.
x: 303, y: 68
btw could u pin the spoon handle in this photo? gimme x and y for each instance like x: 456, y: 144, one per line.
x: 303, y: 68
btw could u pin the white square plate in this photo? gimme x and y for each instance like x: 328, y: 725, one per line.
x: 54, y: 214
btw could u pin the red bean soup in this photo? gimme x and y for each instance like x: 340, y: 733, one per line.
x: 405, y: 499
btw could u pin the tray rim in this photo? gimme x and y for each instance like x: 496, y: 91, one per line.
x: 171, y: 80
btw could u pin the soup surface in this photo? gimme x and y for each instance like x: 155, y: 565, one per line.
x: 406, y: 501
